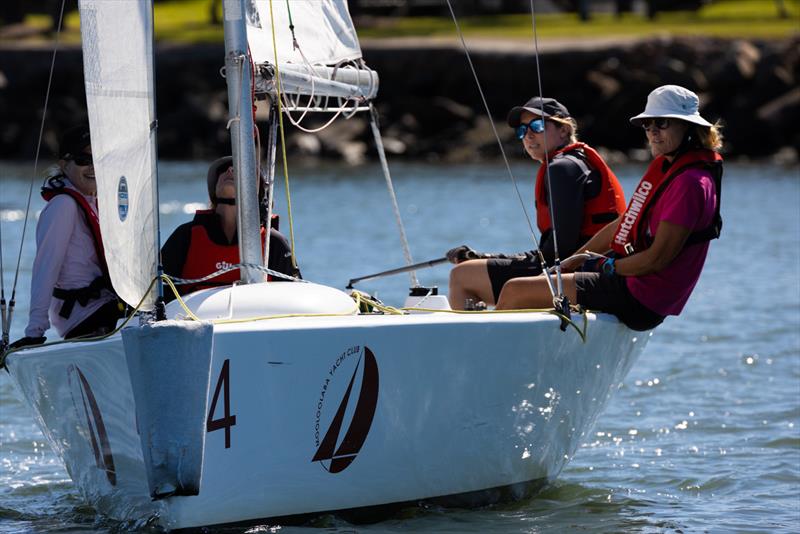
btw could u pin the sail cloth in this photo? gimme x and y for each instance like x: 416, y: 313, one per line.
x: 325, y: 35
x: 118, y: 72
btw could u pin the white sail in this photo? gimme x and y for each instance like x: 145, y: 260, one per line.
x: 118, y: 72
x: 325, y: 37
x: 323, y: 28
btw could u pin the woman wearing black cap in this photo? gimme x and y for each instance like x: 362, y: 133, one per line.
x: 70, y: 288
x: 586, y: 196
x: 659, y: 245
x: 210, y: 241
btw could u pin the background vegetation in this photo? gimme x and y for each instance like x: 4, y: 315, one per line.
x: 196, y: 21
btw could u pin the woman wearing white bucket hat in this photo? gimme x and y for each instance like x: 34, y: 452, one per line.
x: 584, y: 192
x: 644, y: 265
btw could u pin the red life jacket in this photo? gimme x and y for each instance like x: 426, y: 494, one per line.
x: 55, y: 187
x: 205, y: 257
x: 631, y: 234
x: 597, y: 211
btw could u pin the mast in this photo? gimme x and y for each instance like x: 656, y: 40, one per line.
x: 238, y: 74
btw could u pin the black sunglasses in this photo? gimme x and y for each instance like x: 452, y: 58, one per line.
x: 82, y: 160
x: 662, y: 123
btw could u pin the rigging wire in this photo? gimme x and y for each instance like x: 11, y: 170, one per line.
x: 500, y: 143
x: 491, y: 122
x: 283, y: 136
x: 376, y: 134
x: 10, y: 312
x: 557, y: 260
x: 3, y: 321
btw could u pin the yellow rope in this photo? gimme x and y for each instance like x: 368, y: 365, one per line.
x: 5, y: 355
x: 279, y: 89
x: 359, y: 297
x: 194, y: 317
x: 174, y: 289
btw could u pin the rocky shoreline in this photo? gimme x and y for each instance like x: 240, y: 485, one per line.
x: 429, y: 103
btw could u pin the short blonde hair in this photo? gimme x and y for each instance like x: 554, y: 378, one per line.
x: 570, y: 123
x: 709, y: 137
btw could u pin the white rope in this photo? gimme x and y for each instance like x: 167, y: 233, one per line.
x: 253, y: 266
x: 289, y: 103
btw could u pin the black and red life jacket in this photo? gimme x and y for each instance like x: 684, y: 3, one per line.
x: 631, y: 235
x: 205, y: 257
x: 597, y: 211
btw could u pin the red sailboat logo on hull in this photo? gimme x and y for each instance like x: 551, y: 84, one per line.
x: 336, y: 459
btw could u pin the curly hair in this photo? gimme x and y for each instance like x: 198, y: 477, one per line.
x: 709, y: 137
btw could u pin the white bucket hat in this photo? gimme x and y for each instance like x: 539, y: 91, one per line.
x: 674, y: 102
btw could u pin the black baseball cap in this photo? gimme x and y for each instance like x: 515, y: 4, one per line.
x: 544, y: 107
x: 73, y: 141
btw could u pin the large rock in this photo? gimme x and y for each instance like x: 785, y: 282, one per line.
x: 429, y: 104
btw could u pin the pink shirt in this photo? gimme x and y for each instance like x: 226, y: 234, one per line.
x: 65, y: 258
x: 690, y: 201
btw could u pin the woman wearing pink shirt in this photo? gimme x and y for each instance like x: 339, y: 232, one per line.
x: 652, y: 255
x: 70, y: 288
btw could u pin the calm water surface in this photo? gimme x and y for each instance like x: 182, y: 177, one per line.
x: 703, y: 436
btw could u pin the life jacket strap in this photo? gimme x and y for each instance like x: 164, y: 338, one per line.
x: 81, y: 295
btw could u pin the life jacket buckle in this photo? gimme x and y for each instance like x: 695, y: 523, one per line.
x: 628, y: 248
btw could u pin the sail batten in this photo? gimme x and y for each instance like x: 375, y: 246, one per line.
x: 118, y: 71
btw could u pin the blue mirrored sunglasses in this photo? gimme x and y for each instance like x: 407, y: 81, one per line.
x: 536, y: 126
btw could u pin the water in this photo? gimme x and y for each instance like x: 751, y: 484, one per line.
x: 704, y: 435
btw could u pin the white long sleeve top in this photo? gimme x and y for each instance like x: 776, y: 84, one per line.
x: 65, y: 258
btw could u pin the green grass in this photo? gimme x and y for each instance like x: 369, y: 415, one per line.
x: 188, y: 21
x: 722, y: 18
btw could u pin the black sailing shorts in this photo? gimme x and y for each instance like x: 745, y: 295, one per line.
x: 610, y: 294
x: 501, y: 270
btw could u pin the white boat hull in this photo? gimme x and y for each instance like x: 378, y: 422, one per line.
x: 439, y: 404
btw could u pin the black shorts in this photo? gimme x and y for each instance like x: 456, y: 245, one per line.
x: 610, y: 294
x: 503, y: 270
x: 99, y: 323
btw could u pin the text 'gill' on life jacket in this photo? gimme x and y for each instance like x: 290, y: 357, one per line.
x: 205, y: 257
x: 631, y: 233
x: 597, y: 211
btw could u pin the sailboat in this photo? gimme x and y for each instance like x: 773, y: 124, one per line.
x: 265, y: 400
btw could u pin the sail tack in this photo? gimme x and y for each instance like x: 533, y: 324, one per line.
x: 118, y: 71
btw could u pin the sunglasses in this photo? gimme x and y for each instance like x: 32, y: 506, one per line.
x: 661, y: 123
x: 536, y: 126
x: 83, y: 160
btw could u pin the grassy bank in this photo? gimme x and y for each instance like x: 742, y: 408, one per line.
x: 189, y: 21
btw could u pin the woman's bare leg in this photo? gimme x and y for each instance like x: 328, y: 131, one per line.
x: 533, y: 292
x: 470, y: 279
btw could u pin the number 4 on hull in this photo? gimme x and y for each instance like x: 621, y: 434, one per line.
x: 228, y: 420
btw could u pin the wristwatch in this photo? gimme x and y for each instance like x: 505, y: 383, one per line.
x: 608, y: 267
